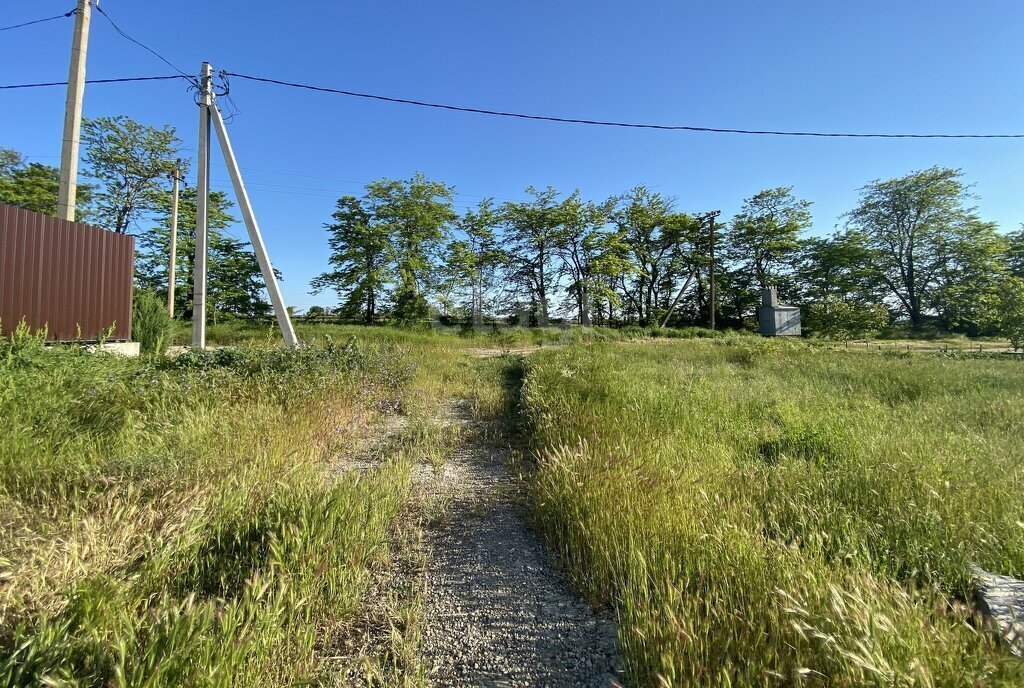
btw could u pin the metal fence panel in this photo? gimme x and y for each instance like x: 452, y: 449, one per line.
x: 70, y: 277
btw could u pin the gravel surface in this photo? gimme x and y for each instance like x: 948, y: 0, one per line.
x: 496, y: 611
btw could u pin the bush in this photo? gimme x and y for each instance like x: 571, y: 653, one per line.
x: 151, y: 325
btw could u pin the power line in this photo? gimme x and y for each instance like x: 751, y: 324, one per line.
x: 605, y: 123
x: 120, y: 80
x: 193, y: 80
x: 38, y: 21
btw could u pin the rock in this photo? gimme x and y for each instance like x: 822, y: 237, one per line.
x: 1001, y: 600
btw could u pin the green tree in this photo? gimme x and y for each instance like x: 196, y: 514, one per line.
x: 360, y: 261
x: 234, y: 282
x: 531, y: 233
x: 1011, y: 311
x: 10, y: 160
x: 415, y: 214
x: 841, y: 319
x: 1015, y: 253
x: 472, y: 262
x: 592, y: 255
x: 968, y: 293
x: 908, y: 223
x: 33, y: 186
x: 236, y: 285
x: 764, y: 239
x: 838, y: 267
x: 131, y: 163
x: 842, y: 296
x: 644, y: 222
x: 314, y: 312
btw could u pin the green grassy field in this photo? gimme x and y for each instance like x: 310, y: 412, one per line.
x: 182, y: 521
x: 755, y: 512
x: 763, y: 512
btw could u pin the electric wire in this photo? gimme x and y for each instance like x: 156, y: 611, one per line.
x: 606, y: 123
x: 38, y: 21
x: 192, y: 79
x: 518, y: 115
x: 119, y: 80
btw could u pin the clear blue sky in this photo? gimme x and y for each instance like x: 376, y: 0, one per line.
x: 914, y: 66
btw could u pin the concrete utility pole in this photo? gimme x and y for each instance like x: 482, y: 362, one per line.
x: 711, y: 269
x: 202, y: 200
x: 176, y: 179
x: 208, y: 111
x: 68, y: 187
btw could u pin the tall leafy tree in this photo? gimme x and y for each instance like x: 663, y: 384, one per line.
x: 33, y: 186
x: 907, y: 223
x: 1015, y: 253
x: 647, y: 225
x: 234, y: 282
x: 473, y: 259
x: 764, y: 239
x: 588, y: 250
x: 236, y: 285
x: 973, y: 265
x: 838, y: 268
x: 10, y: 160
x: 531, y: 233
x: 416, y: 214
x: 360, y: 261
x: 1010, y: 320
x: 131, y: 164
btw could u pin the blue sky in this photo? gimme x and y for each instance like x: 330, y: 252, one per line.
x: 912, y: 66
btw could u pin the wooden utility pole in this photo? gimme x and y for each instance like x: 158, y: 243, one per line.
x: 68, y: 186
x: 175, y: 180
x: 711, y: 268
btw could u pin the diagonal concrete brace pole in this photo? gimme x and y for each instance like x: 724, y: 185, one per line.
x: 679, y: 295
x: 280, y: 310
x: 205, y: 101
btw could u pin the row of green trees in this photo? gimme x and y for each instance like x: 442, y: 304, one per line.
x: 127, y: 173
x: 913, y: 250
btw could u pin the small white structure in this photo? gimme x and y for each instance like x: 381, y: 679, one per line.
x: 776, y: 320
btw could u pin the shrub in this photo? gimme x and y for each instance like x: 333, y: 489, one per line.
x: 151, y: 325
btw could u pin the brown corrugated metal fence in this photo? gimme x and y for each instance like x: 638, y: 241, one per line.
x: 70, y: 277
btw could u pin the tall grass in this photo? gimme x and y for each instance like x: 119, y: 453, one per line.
x: 174, y: 522
x: 766, y: 513
x: 235, y: 331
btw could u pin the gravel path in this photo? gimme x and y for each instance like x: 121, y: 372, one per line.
x: 496, y: 612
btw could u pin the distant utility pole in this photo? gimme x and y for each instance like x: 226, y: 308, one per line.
x: 68, y: 187
x: 176, y: 178
x: 711, y: 269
